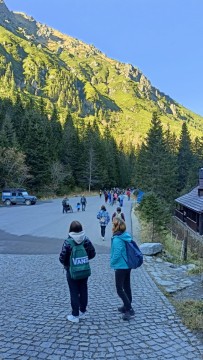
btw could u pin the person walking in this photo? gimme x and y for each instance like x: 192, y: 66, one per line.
x: 83, y: 202
x: 104, y: 219
x: 118, y: 214
x: 65, y: 203
x: 128, y: 194
x: 78, y: 288
x: 118, y: 262
x: 121, y: 198
x: 78, y: 206
x: 106, y: 196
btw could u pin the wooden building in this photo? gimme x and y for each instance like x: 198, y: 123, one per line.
x: 189, y: 207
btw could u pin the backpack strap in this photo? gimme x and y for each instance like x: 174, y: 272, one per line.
x: 71, y: 242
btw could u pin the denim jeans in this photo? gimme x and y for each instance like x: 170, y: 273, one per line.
x: 122, y: 278
x: 103, y: 228
x: 78, y: 294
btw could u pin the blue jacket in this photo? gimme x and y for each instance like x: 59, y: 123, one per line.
x: 103, y: 217
x: 118, y: 250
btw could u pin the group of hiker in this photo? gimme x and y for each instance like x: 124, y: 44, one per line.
x: 66, y: 206
x: 76, y: 252
x: 110, y: 196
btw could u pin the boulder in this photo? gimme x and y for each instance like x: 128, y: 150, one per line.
x: 151, y: 248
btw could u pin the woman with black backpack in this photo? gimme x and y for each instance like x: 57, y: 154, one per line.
x: 76, y: 252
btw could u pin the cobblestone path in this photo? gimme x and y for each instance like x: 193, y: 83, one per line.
x: 35, y: 302
x: 34, y: 298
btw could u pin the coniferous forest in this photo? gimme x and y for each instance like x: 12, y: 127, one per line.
x: 47, y: 156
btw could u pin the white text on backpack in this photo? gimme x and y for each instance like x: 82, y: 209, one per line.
x: 79, y: 261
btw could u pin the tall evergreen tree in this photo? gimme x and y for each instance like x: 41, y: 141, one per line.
x: 36, y: 147
x: 91, y: 172
x: 185, y: 157
x: 70, y: 151
x: 196, y: 164
x: 7, y: 134
x: 111, y: 160
x: 154, y: 211
x: 18, y: 114
x: 55, y: 136
x: 155, y: 165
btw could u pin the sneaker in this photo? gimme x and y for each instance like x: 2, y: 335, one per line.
x: 72, y: 318
x: 126, y: 316
x: 132, y: 312
x: 122, y: 310
x: 102, y: 238
x: 82, y: 315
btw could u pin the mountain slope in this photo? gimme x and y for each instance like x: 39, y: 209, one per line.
x: 42, y: 62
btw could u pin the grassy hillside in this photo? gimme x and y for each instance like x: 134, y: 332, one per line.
x: 76, y: 77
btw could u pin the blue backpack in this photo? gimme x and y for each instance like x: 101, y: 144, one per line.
x: 134, y: 255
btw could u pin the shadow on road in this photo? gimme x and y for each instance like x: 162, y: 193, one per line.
x: 32, y: 245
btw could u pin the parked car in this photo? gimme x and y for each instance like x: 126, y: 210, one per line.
x: 17, y: 196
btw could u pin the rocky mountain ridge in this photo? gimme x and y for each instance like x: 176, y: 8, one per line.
x: 88, y: 82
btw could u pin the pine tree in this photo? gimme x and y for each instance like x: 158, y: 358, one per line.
x: 184, y: 157
x: 154, y: 210
x: 110, y: 160
x: 156, y: 165
x: 91, y: 171
x: 18, y: 114
x: 36, y: 147
x: 71, y: 151
x: 55, y: 136
x: 196, y: 163
x: 7, y: 134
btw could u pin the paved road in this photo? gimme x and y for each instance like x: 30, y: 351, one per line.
x: 35, y: 300
x: 49, y: 226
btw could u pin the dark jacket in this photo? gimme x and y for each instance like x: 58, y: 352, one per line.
x: 64, y: 257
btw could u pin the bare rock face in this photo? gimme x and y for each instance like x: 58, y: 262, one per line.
x: 5, y: 15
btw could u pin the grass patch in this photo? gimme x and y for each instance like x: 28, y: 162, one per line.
x: 191, y: 313
x: 172, y: 246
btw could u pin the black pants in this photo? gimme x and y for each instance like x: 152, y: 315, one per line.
x: 122, y: 278
x: 78, y: 294
x: 103, y: 229
x: 83, y: 206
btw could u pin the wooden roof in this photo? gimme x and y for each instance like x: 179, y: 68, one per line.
x: 191, y: 200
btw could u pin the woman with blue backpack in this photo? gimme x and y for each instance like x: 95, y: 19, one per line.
x: 118, y: 262
x: 76, y: 252
x: 104, y: 218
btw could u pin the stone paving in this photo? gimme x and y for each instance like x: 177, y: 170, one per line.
x: 35, y: 302
x: 171, y: 277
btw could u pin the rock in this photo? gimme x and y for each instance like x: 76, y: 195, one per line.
x: 188, y: 267
x: 151, y: 248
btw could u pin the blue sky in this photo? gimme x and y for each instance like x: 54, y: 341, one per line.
x: 163, y: 38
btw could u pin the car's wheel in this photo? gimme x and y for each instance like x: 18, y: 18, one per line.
x: 7, y: 202
x: 27, y: 202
